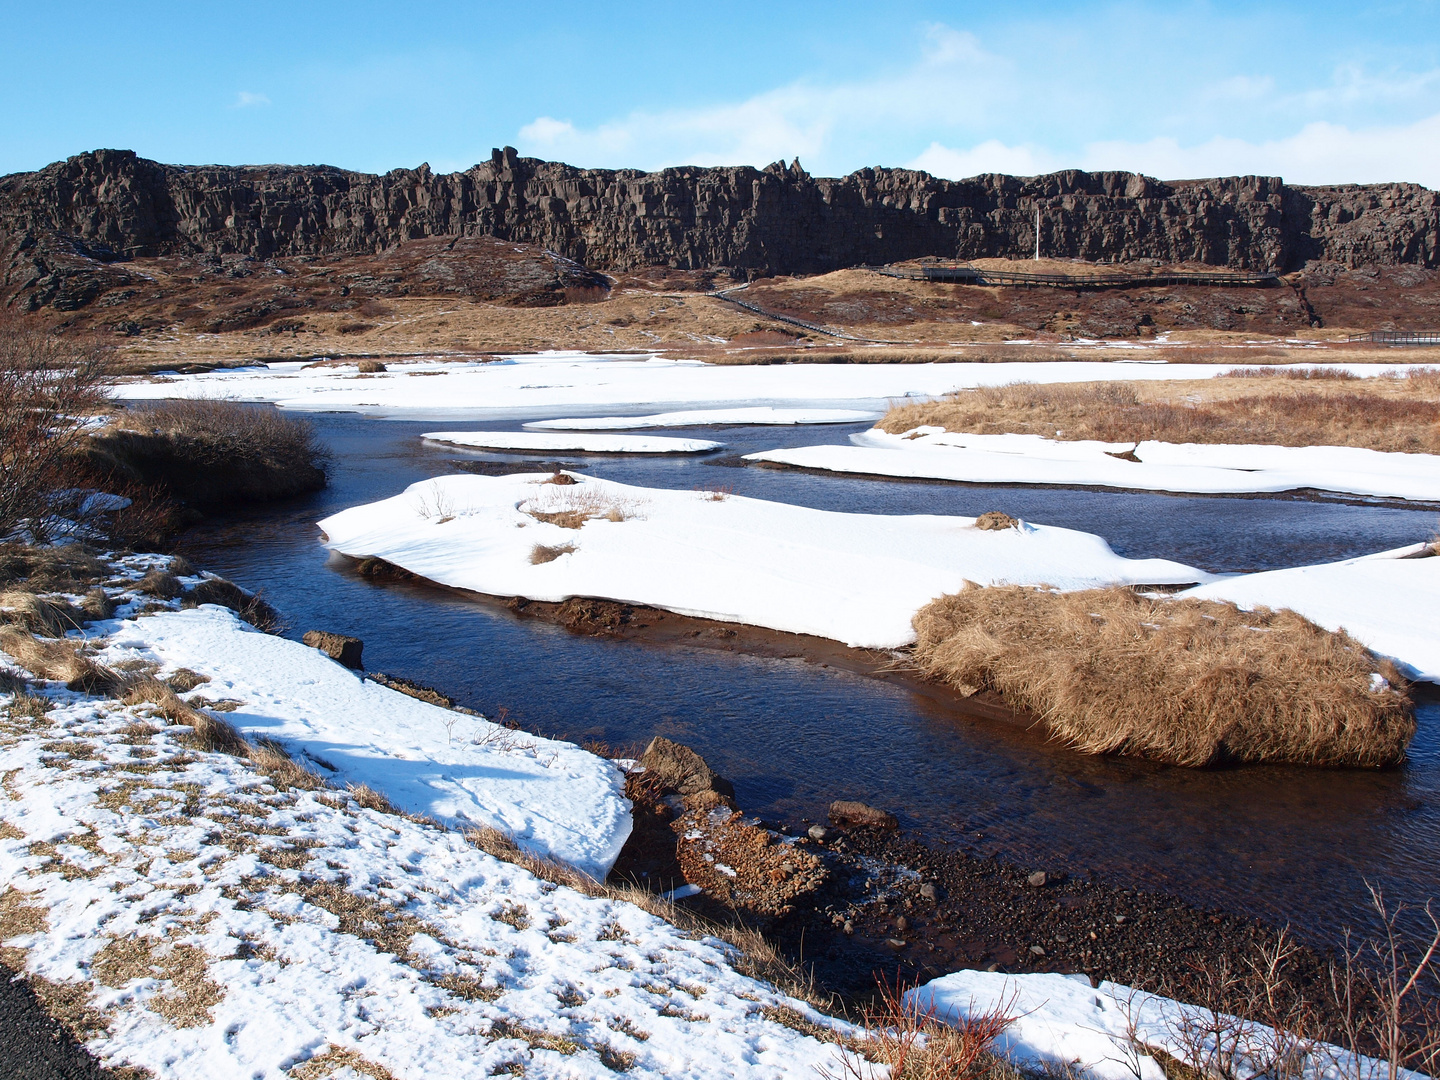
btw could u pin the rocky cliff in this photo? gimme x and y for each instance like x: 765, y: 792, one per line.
x: 111, y: 203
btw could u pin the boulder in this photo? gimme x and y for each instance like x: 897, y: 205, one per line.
x: 851, y: 815
x: 679, y: 769
x: 339, y: 647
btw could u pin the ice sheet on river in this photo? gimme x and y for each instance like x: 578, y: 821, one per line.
x: 1202, y: 468
x: 547, y: 442
x: 554, y: 798
x: 856, y: 578
x: 543, y: 384
x: 1390, y: 601
x: 755, y: 414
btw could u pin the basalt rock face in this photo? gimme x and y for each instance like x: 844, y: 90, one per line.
x: 109, y: 205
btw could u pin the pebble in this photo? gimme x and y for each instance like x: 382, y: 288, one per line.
x: 895, y: 943
x: 902, y: 924
x: 1119, y: 919
x: 849, y: 927
x: 1037, y: 950
x: 819, y: 833
x: 930, y: 892
x: 1038, y: 879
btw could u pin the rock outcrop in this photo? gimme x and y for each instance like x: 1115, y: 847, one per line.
x: 109, y: 205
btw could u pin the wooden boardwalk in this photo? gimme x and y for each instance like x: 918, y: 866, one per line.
x: 1399, y: 337
x: 974, y: 275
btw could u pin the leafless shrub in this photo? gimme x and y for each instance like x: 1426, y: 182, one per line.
x: 916, y: 1044
x: 1192, y: 682
x: 433, y: 503
x: 49, y: 387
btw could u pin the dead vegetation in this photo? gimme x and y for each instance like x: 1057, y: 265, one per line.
x: 996, y: 521
x: 1192, y: 682
x: 207, y: 454
x: 49, y: 387
x: 1389, y: 414
x: 571, y: 507
x: 543, y: 553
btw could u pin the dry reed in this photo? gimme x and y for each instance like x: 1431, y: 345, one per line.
x: 1381, y: 414
x: 1192, y: 682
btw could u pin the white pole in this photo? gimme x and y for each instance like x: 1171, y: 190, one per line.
x: 1037, y: 232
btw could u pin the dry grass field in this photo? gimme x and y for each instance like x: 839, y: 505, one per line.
x: 1189, y: 682
x: 1395, y: 414
x: 480, y: 295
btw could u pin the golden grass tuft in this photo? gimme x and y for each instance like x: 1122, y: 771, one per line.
x: 1399, y: 415
x: 543, y: 553
x: 49, y: 617
x: 206, y: 732
x: 1191, y: 682
x: 186, y: 1001
x: 58, y: 661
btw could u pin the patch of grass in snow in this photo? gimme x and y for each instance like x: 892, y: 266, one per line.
x: 186, y: 1001
x: 571, y: 507
x: 543, y: 553
x: 1191, y: 682
x: 335, y: 1058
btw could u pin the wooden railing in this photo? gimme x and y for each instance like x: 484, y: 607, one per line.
x: 974, y: 275
x: 1399, y: 337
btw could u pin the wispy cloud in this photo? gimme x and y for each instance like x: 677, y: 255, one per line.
x: 246, y: 99
x: 958, y: 108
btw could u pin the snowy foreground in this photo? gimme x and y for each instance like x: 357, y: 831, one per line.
x: 1061, y: 1018
x: 856, y: 578
x: 934, y: 453
x: 758, y: 414
x: 205, y: 924
x: 595, y: 444
x: 541, y: 384
x: 553, y: 798
x: 1388, y: 601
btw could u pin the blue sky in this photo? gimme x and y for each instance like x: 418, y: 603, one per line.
x: 1317, y: 92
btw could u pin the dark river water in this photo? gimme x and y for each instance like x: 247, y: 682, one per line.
x: 1289, y: 845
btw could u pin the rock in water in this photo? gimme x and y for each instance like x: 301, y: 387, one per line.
x: 339, y: 647
x: 851, y: 815
x: 678, y: 768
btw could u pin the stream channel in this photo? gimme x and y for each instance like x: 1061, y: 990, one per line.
x: 1288, y: 845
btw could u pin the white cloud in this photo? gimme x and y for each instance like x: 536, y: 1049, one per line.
x: 246, y: 99
x: 1318, y: 153
x: 975, y: 111
x: 991, y: 156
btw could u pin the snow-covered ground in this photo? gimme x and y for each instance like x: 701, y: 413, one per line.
x: 1390, y: 601
x: 542, y: 384
x: 555, y: 799
x: 1061, y: 1019
x: 758, y: 414
x: 201, y: 922
x: 935, y: 453
x: 856, y: 578
x: 547, y: 442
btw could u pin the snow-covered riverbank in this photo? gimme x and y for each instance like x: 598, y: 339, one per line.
x: 856, y: 578
x: 937, y: 454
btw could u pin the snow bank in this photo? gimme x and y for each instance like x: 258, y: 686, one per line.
x: 856, y: 578
x: 1061, y: 1019
x: 1388, y: 601
x: 596, y: 444
x: 543, y: 384
x: 552, y: 797
x: 220, y: 927
x: 759, y: 414
x: 934, y: 453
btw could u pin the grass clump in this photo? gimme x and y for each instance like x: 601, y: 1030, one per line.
x: 1400, y: 415
x: 543, y: 553
x: 211, y: 454
x: 1191, y: 682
